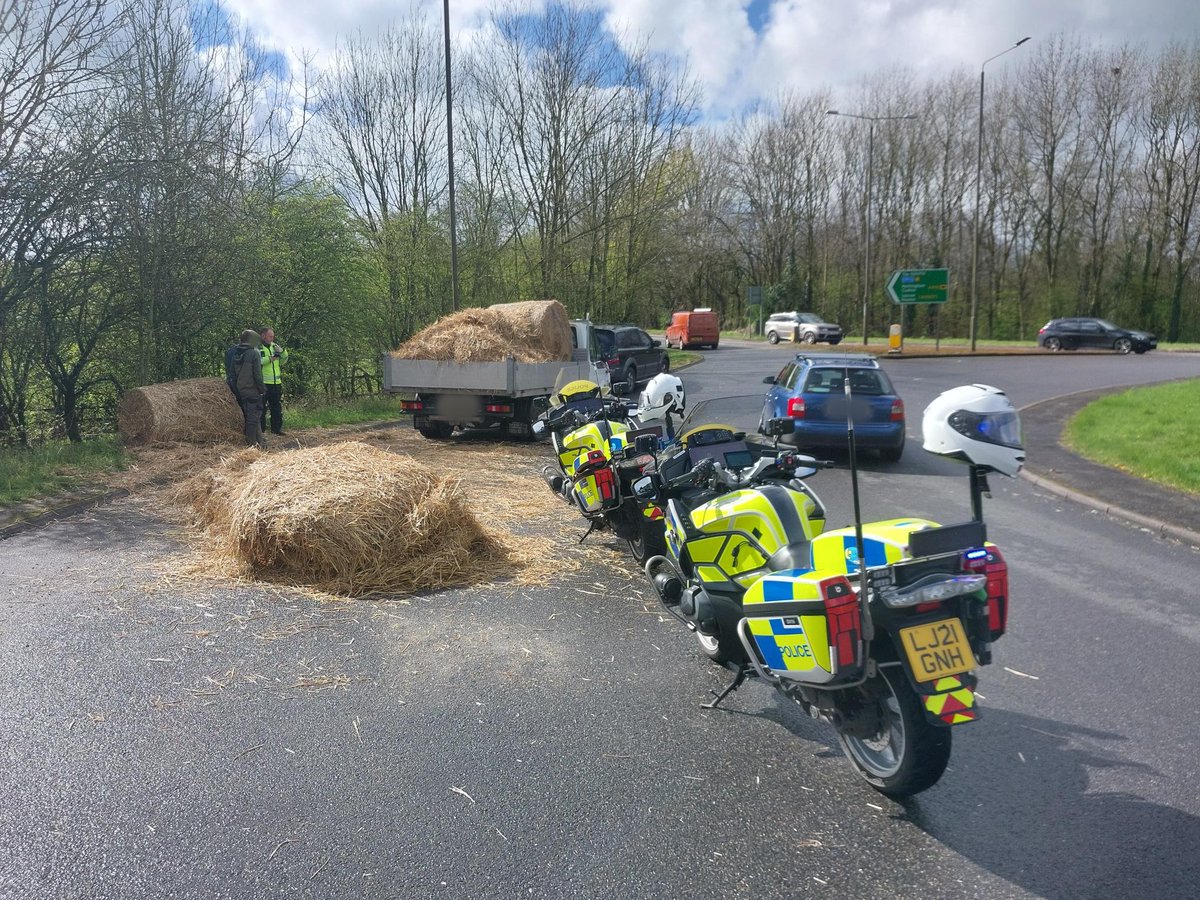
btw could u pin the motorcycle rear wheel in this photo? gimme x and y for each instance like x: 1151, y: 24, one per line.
x: 908, y: 754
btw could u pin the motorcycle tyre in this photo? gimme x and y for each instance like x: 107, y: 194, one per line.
x: 650, y: 541
x: 721, y: 648
x: 926, y: 749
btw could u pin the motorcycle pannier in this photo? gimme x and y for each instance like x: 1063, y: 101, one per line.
x: 805, y: 627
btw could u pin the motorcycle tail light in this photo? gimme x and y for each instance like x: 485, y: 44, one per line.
x: 990, y: 562
x: 845, y: 623
x: 795, y: 407
x: 606, y: 483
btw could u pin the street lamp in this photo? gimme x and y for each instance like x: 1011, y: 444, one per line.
x: 978, y: 180
x: 450, y: 161
x: 870, y: 178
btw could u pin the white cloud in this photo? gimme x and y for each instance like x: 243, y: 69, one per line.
x: 803, y: 44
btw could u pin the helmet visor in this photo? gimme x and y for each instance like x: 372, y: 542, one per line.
x: 1003, y: 428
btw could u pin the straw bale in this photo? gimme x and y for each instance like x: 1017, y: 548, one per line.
x: 343, y: 518
x: 195, y: 411
x: 530, y: 331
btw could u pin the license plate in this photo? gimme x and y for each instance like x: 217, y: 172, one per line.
x: 937, y: 649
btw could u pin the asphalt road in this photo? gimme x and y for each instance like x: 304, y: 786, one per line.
x: 549, y: 743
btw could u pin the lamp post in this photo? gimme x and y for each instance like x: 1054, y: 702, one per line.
x: 978, y: 182
x: 450, y: 161
x: 870, y: 179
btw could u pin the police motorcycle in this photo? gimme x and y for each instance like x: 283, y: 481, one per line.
x: 884, y: 652
x: 594, y: 436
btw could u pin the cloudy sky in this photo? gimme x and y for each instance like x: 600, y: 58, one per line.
x: 743, y: 49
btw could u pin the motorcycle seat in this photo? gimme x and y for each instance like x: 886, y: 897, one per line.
x: 796, y: 555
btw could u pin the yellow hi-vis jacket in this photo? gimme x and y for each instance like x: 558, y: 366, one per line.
x: 270, y: 362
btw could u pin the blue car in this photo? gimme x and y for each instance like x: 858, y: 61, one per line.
x: 811, y: 390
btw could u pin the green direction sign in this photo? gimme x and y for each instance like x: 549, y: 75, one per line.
x: 919, y: 285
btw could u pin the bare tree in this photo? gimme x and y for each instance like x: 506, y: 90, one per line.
x: 382, y: 137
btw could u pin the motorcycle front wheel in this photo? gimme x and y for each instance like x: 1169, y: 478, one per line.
x: 907, y: 754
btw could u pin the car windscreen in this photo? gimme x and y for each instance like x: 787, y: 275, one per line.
x: 864, y: 382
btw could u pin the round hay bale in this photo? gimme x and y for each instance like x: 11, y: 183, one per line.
x: 345, y: 518
x: 530, y: 331
x: 195, y: 411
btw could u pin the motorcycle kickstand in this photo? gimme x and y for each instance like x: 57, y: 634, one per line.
x: 737, y: 682
x: 591, y: 528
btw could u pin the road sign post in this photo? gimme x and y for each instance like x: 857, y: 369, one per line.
x: 754, y: 298
x: 907, y: 286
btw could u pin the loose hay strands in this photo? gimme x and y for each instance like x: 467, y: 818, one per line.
x: 532, y: 331
x: 345, y: 518
x: 197, y: 411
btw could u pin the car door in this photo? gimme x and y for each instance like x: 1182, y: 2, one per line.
x: 778, y: 393
x: 1092, y: 334
x: 647, y: 353
x: 630, y: 352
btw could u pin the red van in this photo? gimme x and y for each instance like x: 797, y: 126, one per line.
x: 698, y: 328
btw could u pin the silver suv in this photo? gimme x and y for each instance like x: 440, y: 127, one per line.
x: 802, y: 327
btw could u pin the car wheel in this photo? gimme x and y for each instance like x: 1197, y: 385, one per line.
x: 891, y: 454
x: 666, y: 364
x: 773, y: 337
x: 629, y: 375
x: 809, y: 338
x: 1123, y: 345
x: 1053, y: 344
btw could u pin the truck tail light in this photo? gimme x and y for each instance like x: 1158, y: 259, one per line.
x: 795, y: 407
x: 897, y: 410
x: 412, y: 405
x: 989, y: 561
x: 499, y: 408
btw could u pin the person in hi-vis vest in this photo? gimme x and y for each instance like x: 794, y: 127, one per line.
x: 272, y: 355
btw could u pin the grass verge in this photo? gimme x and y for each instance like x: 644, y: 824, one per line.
x: 327, y: 413
x: 1150, y: 432
x: 681, y: 359
x: 54, y: 467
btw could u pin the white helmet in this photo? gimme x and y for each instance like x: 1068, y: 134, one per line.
x: 975, y: 423
x: 663, y: 394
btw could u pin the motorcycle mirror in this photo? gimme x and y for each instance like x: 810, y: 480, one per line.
x: 643, y: 488
x: 780, y: 425
x: 539, y: 429
x: 621, y: 388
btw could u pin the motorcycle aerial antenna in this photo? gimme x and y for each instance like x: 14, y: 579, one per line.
x: 864, y: 597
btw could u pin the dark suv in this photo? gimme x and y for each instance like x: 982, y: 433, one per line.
x: 633, y: 356
x: 1093, y: 334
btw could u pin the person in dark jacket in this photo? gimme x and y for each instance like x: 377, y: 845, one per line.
x: 230, y: 375
x: 248, y: 384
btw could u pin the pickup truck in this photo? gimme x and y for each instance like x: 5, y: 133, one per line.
x: 507, y: 395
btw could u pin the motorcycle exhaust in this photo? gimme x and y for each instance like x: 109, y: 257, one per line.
x: 556, y: 482
x: 667, y: 585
